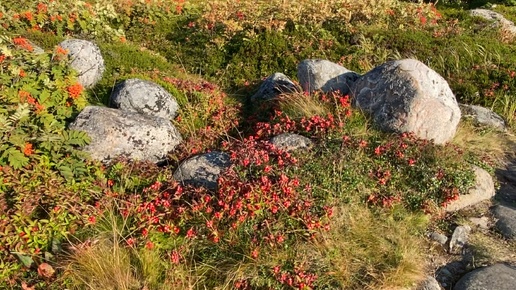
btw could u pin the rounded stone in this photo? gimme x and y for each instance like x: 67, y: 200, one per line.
x: 144, y: 97
x: 85, y: 57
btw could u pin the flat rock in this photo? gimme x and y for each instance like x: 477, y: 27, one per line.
x: 482, y: 190
x: 291, y: 142
x: 144, y: 97
x: 407, y: 96
x: 459, y: 239
x: 86, y: 59
x: 506, y: 223
x: 497, y: 276
x: 481, y: 222
x: 430, y: 283
x: 203, y: 169
x: 483, y: 116
x: 324, y: 75
x: 274, y: 86
x: 116, y: 133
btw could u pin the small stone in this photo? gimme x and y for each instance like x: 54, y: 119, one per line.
x: 459, y: 239
x: 482, y: 222
x: 203, y: 170
x: 440, y: 238
x: 291, y: 142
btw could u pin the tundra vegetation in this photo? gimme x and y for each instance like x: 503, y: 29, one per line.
x: 350, y: 213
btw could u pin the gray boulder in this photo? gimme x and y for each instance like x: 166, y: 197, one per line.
x: 407, y: 96
x: 482, y: 190
x: 291, y: 142
x: 324, y: 75
x: 497, y: 276
x: 116, y: 133
x: 496, y: 18
x: 483, y: 116
x: 203, y: 170
x: 144, y: 97
x: 274, y: 86
x: 86, y: 59
x: 506, y: 223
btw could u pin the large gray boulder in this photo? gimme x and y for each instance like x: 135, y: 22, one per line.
x: 203, y: 170
x: 506, y: 223
x: 497, y: 276
x: 144, y: 97
x: 324, y: 75
x: 482, y: 190
x: 407, y: 96
x: 116, y: 133
x: 86, y: 59
x: 274, y: 86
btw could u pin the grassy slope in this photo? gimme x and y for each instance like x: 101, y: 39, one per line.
x: 366, y: 247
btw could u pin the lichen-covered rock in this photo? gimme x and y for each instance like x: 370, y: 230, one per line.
x: 483, y: 116
x: 407, y: 96
x: 290, y: 142
x: 498, y: 19
x: 497, y: 276
x: 86, y: 59
x: 144, y: 97
x: 482, y: 190
x: 274, y: 86
x: 506, y: 223
x: 116, y: 133
x: 203, y: 170
x: 324, y: 75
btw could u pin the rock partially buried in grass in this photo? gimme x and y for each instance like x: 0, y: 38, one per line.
x: 482, y: 190
x: 324, y: 75
x: 291, y: 142
x: 498, y: 19
x: 497, y: 276
x: 459, y: 239
x: 144, y: 97
x: 407, y: 96
x: 274, y: 86
x: 116, y: 133
x: 203, y: 170
x: 483, y: 116
x: 86, y: 59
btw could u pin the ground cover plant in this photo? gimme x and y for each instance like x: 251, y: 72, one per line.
x: 350, y: 213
